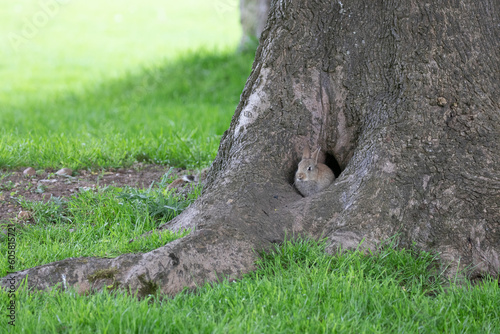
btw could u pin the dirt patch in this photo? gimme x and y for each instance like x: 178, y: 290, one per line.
x: 45, y: 184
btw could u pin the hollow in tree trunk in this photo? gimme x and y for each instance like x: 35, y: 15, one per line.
x: 403, y: 99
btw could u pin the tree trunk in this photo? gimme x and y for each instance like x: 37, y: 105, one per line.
x: 403, y: 97
x: 253, y: 17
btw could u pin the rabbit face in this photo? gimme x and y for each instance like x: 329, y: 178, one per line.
x: 307, y: 170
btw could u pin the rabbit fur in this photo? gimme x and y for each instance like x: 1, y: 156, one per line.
x: 312, y: 176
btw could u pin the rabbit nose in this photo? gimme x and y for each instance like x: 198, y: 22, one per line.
x: 300, y: 176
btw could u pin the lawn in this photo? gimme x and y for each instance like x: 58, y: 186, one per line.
x: 296, y: 289
x: 173, y: 113
x: 105, y: 85
x: 54, y: 45
x: 100, y: 87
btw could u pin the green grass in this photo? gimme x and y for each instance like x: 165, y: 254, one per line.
x: 95, y: 223
x: 297, y: 289
x: 93, y: 84
x: 173, y: 114
x: 73, y: 44
x: 106, y: 85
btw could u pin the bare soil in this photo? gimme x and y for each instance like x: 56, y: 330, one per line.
x: 45, y: 184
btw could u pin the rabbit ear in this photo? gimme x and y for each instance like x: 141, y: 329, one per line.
x: 306, y: 153
x: 316, y: 154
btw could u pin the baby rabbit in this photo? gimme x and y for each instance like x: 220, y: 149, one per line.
x: 312, y: 176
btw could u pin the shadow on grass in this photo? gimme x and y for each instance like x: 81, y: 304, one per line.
x: 171, y: 114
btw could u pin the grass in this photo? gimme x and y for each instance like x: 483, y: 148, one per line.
x: 95, y: 223
x: 104, y: 85
x: 93, y: 84
x: 296, y: 289
x: 173, y: 114
x: 61, y: 45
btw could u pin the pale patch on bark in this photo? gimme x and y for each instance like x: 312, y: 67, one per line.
x: 389, y: 167
x: 256, y: 103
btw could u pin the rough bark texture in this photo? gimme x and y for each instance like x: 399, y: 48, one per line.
x: 253, y: 17
x: 403, y: 96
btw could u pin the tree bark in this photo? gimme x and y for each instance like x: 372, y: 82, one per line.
x: 403, y: 97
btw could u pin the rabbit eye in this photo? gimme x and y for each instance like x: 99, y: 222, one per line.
x: 310, y: 168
